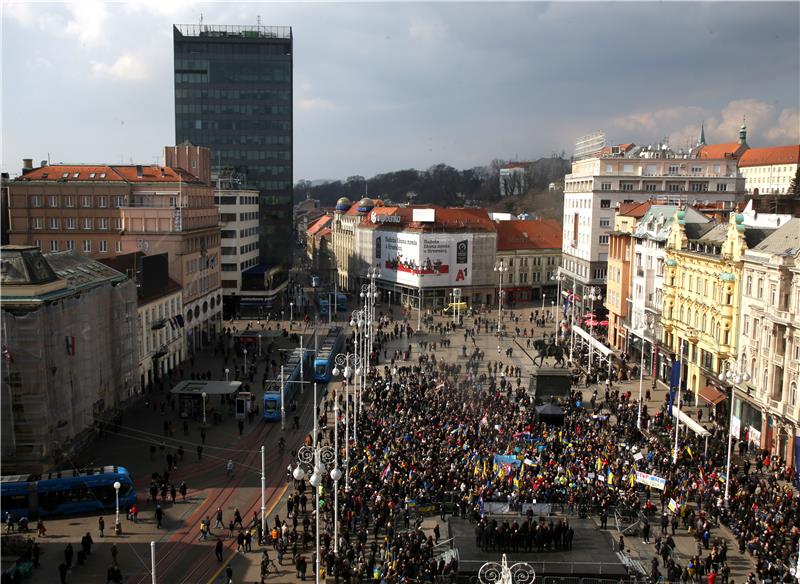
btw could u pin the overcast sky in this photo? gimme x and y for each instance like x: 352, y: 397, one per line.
x: 381, y: 87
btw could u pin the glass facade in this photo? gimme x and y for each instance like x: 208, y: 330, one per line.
x: 233, y: 94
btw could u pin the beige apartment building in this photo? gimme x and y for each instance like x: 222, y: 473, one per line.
x: 104, y: 210
x: 768, y: 405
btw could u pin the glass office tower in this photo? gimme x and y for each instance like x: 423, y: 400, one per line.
x: 233, y: 94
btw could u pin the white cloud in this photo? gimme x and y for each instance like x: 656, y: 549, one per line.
x: 127, y: 67
x: 788, y: 129
x: 654, y: 122
x: 88, y: 22
x: 305, y: 99
x: 85, y: 20
x: 427, y: 31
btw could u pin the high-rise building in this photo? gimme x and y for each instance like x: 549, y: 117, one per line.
x: 233, y: 94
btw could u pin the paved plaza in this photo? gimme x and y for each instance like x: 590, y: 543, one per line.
x: 180, y: 554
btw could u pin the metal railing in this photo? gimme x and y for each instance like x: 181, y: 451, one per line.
x: 235, y: 30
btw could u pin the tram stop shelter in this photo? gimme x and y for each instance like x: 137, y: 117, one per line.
x: 190, y: 396
x: 695, y: 427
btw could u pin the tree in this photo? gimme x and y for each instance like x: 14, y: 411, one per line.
x: 794, y: 186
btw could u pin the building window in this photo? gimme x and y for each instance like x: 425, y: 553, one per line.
x: 605, y: 222
x: 86, y: 201
x: 722, y: 187
x: 37, y: 222
x: 650, y: 187
x: 36, y: 201
x: 53, y: 201
x: 53, y: 245
x: 87, y: 245
x: 102, y: 223
x: 119, y: 201
x: 604, y: 240
x: 69, y: 201
x: 698, y: 187
x: 70, y: 244
x: 103, y: 246
x: 102, y: 201
x: 87, y: 223
x: 605, y: 186
x: 605, y: 203
x: 54, y: 223
x: 37, y: 243
x: 118, y: 246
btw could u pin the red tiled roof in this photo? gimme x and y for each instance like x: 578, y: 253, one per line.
x: 727, y: 150
x: 155, y: 173
x: 533, y: 234
x: 319, y: 224
x: 115, y: 173
x: 323, y: 233
x: 445, y: 218
x: 56, y: 172
x: 774, y: 155
x: 635, y: 209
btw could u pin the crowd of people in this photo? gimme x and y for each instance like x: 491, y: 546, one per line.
x: 432, y: 436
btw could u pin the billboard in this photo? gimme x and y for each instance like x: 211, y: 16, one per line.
x: 423, y: 260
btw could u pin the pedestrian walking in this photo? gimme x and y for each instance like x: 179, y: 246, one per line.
x: 159, y: 514
x: 62, y: 572
x: 182, y: 490
x: 41, y: 530
x: 218, y: 550
x: 229, y: 574
x: 218, y: 522
x: 68, y: 553
x: 114, y: 553
x: 101, y: 525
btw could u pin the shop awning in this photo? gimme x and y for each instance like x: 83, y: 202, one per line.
x: 712, y: 395
x: 687, y: 421
x: 598, y: 346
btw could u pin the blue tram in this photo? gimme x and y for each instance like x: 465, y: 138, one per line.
x: 324, y: 359
x: 65, y: 492
x: 291, y: 382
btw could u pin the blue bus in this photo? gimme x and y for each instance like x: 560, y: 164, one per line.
x: 291, y: 382
x: 324, y: 359
x: 323, y: 306
x: 341, y: 302
x: 65, y: 492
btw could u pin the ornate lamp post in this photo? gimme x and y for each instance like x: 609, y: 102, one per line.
x: 501, y: 268
x: 646, y: 325
x: 593, y: 296
x: 347, y: 364
x: 733, y: 375
x: 316, y: 460
x: 502, y: 573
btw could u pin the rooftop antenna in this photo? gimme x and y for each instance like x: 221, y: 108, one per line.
x: 258, y: 20
x: 201, y: 19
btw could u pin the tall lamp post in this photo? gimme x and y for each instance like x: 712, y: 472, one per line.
x: 593, y: 296
x: 502, y: 573
x: 500, y: 267
x: 347, y: 364
x: 732, y: 375
x: 646, y: 325
x: 358, y: 321
x: 291, y: 313
x: 245, y: 360
x: 117, y: 525
x: 205, y: 395
x: 227, y: 374
x: 316, y: 459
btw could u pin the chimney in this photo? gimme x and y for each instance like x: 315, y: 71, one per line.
x: 139, y: 171
x: 27, y: 164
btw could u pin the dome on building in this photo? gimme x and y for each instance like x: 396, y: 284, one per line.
x: 365, y: 205
x: 343, y: 204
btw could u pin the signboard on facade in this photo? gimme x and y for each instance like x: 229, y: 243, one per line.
x: 423, y: 260
x: 736, y: 427
x: 651, y: 480
x: 178, y: 219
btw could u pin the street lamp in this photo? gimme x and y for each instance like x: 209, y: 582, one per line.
x: 291, y: 313
x: 117, y: 525
x: 227, y: 372
x: 733, y: 375
x: 646, y: 324
x: 259, y: 345
x: 316, y: 460
x: 342, y: 364
x: 245, y: 360
x: 205, y: 395
x: 502, y: 573
x: 500, y: 267
x: 593, y: 296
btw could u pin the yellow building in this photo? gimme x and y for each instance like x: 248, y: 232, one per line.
x: 701, y: 297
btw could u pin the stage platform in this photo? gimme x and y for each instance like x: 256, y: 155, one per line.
x: 592, y: 553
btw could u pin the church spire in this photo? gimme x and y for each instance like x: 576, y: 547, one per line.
x: 701, y: 141
x: 743, y: 131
